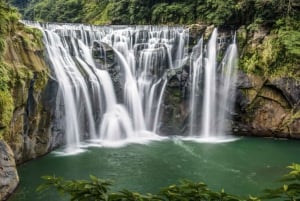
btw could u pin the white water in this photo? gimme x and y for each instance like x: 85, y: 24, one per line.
x: 157, y: 112
x: 227, y: 87
x: 209, y: 95
x: 196, y: 68
x: 212, y: 89
x: 91, y: 109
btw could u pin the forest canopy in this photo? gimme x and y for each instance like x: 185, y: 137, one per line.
x: 280, y: 52
x: 218, y: 12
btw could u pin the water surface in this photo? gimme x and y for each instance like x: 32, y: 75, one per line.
x: 243, y: 167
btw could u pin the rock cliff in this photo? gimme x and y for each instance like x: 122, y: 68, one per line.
x: 267, y: 106
x: 29, y: 130
x: 268, y: 87
x: 27, y: 104
x: 9, y: 178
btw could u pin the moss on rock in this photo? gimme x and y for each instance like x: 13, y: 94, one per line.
x: 271, y: 52
x: 6, y: 108
x: 23, y: 76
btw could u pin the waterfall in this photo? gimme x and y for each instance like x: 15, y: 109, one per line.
x: 228, y: 76
x: 112, y: 79
x: 72, y: 86
x: 157, y: 112
x: 209, y: 95
x: 212, y: 88
x: 196, y: 65
x: 132, y: 100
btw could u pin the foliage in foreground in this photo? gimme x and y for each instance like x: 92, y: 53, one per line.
x: 99, y: 190
x: 290, y: 190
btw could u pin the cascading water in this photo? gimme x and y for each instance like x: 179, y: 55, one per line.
x: 140, y: 56
x: 212, y: 88
x: 228, y: 76
x: 72, y: 86
x: 196, y: 68
x: 209, y: 95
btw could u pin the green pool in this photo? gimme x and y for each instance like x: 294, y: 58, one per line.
x: 244, y: 166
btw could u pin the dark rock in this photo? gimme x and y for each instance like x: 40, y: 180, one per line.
x: 243, y: 81
x: 103, y: 55
x: 141, y: 36
x: 260, y: 34
x: 267, y: 108
x: 294, y: 129
x: 289, y: 87
x: 32, y: 124
x: 175, y: 110
x: 196, y: 31
x: 9, y: 178
x: 241, y: 101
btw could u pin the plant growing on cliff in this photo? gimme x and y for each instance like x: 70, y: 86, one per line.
x: 97, y: 189
x: 16, y: 72
x: 9, y: 16
x: 6, y: 99
x: 6, y: 108
x: 275, y: 54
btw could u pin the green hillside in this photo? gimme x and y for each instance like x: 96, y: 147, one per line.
x: 219, y: 12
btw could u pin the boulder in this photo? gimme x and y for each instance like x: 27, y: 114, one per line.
x: 9, y: 178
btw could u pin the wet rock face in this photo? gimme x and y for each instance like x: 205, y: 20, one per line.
x: 31, y: 131
x: 32, y: 126
x: 175, y: 107
x: 171, y: 118
x: 267, y: 107
x: 105, y: 59
x: 103, y: 55
x: 195, y: 32
x: 9, y: 178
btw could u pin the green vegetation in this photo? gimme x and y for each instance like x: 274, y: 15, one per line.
x: 218, y: 12
x: 275, y: 53
x: 6, y: 108
x: 16, y: 71
x: 60, y: 11
x: 288, y: 191
x: 6, y: 99
x: 98, y: 190
x: 8, y: 19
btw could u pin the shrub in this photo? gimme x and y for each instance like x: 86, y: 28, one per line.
x: 98, y: 190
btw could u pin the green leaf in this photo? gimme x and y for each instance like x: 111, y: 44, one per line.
x: 285, y: 187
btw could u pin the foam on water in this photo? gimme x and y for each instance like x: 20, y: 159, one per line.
x: 211, y: 140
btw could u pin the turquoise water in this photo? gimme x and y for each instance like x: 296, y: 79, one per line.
x: 243, y: 167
